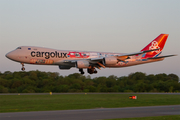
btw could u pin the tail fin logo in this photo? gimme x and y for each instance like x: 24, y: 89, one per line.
x: 154, y: 45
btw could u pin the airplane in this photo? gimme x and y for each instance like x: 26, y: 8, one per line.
x: 67, y: 59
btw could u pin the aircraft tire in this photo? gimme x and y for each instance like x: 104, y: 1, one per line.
x: 22, y: 68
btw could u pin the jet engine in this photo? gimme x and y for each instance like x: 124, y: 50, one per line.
x: 109, y: 60
x: 82, y: 64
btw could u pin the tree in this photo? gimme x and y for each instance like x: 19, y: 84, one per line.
x: 33, y: 75
x: 137, y: 76
x: 162, y: 77
x: 173, y: 77
x: 100, y: 81
x: 3, y: 89
x: 110, y: 82
x: 8, y: 75
x: 152, y: 78
x: 16, y: 83
x: 37, y: 81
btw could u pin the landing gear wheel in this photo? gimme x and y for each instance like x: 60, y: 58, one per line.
x: 22, y: 68
x: 95, y: 71
x: 91, y: 70
x: 81, y: 70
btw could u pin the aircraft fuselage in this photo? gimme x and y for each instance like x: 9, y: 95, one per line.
x: 66, y: 59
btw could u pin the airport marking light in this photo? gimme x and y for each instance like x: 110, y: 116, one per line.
x: 132, y: 97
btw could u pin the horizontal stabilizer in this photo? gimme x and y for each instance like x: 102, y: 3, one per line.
x: 162, y: 56
x: 137, y: 53
x: 126, y: 56
x: 151, y: 50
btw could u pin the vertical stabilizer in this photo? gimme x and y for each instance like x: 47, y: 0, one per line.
x: 157, y: 43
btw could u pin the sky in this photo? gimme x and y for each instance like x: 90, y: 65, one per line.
x: 122, y: 26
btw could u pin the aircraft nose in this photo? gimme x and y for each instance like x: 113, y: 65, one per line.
x: 9, y: 55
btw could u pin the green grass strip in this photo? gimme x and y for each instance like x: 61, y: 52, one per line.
x: 20, y: 103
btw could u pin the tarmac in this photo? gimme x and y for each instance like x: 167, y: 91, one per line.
x: 94, y: 114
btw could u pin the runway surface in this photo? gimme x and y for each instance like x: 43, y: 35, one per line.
x: 94, y: 114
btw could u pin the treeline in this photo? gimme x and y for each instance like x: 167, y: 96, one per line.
x: 39, y: 82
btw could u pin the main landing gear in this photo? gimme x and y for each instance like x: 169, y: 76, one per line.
x: 91, y: 70
x: 22, y: 67
x: 81, y: 70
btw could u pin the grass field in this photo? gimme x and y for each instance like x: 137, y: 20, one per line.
x: 169, y: 117
x: 19, y: 103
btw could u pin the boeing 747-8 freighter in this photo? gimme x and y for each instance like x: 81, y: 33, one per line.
x: 67, y: 59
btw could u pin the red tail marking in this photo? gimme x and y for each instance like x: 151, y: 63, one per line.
x: 159, y: 42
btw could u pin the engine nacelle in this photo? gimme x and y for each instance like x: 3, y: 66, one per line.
x: 82, y: 64
x: 110, y: 60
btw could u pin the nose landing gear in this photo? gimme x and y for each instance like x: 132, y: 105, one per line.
x: 22, y: 67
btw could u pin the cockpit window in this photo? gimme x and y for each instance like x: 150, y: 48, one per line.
x: 19, y: 48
